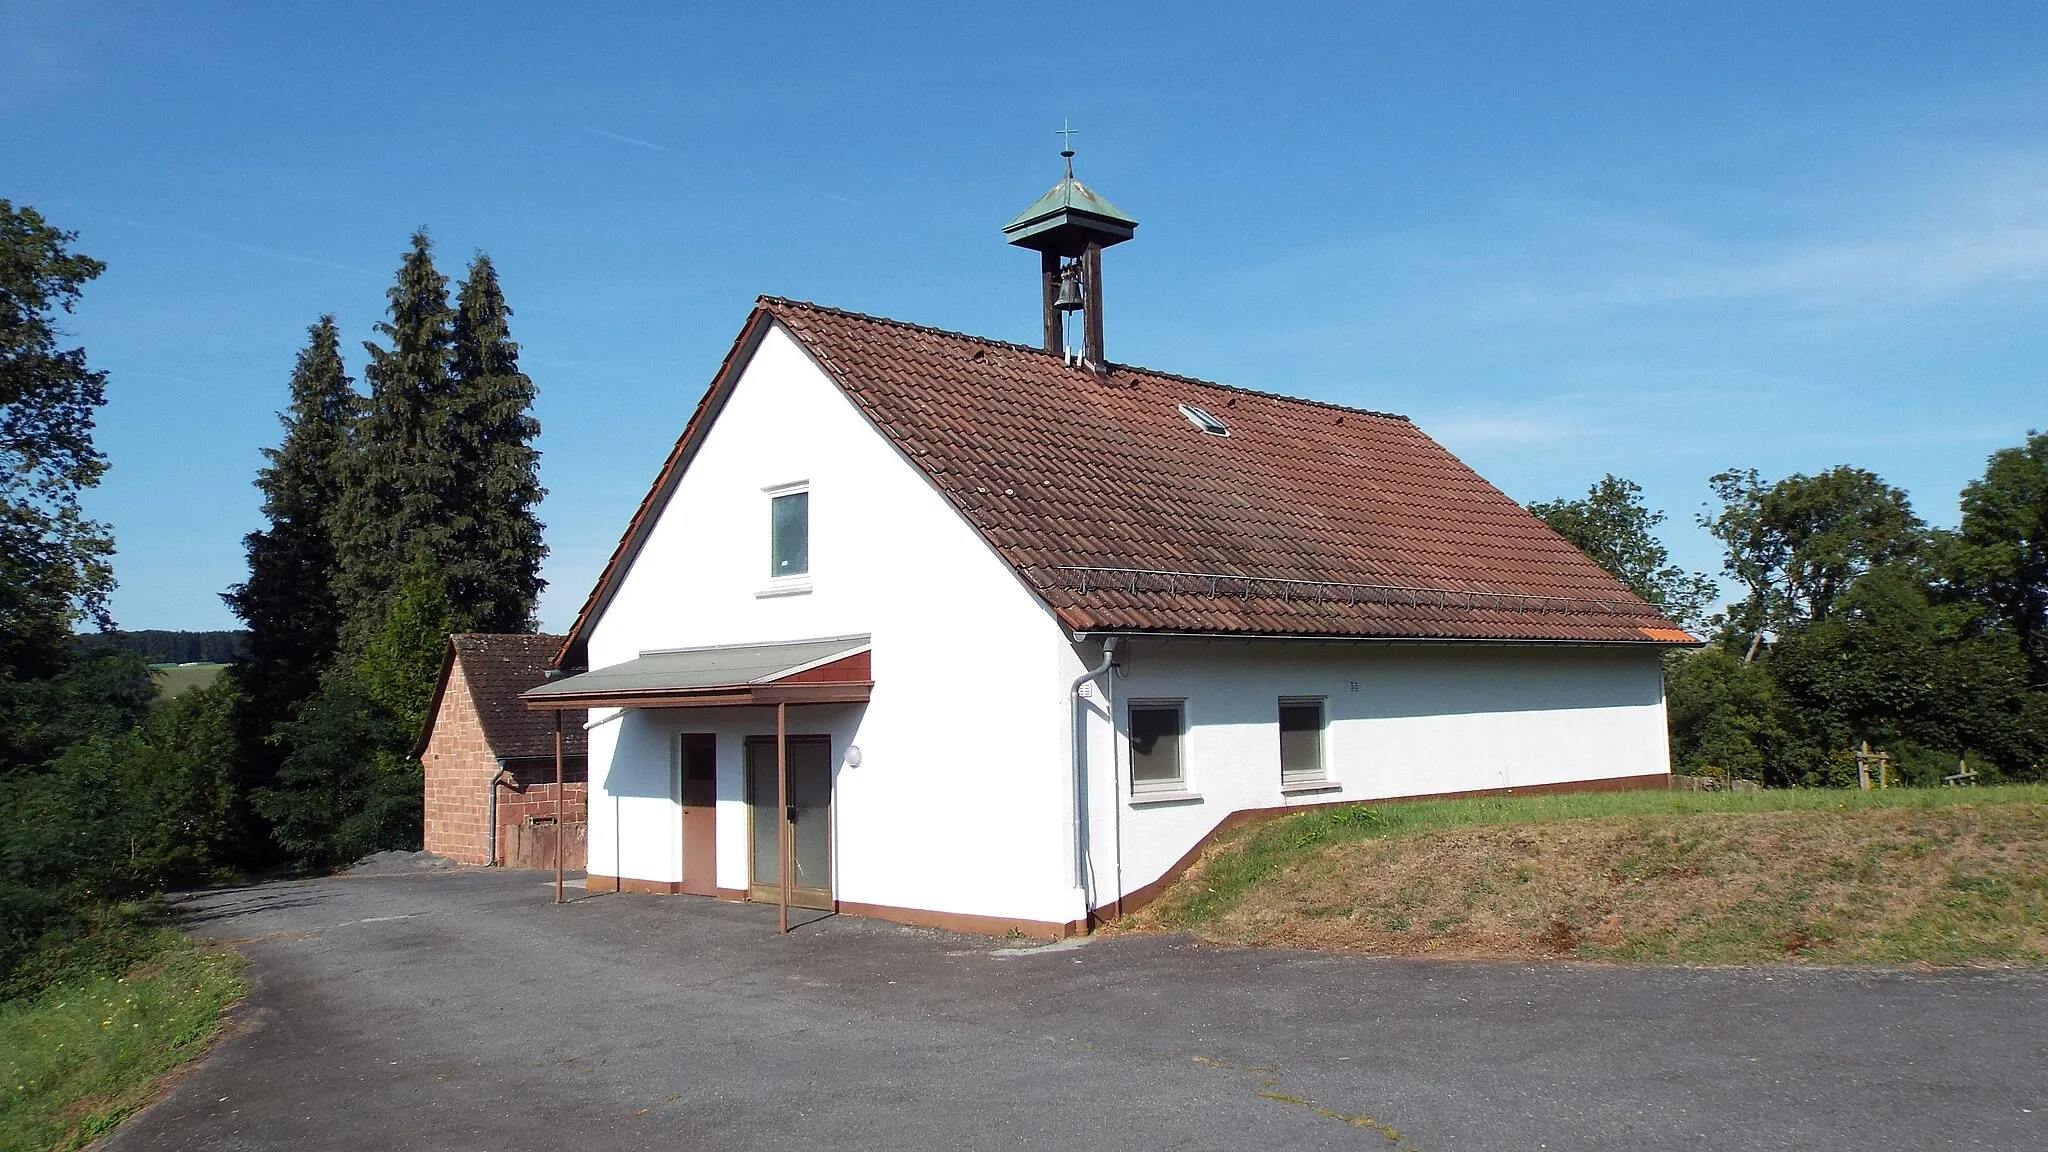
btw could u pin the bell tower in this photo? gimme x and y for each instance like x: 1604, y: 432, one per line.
x: 1069, y: 227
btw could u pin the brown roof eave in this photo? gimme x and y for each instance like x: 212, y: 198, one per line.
x: 575, y: 647
x: 892, y: 371
x: 727, y: 696
x: 1081, y: 634
x: 574, y: 653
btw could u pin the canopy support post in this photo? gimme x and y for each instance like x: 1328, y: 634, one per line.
x: 561, y: 829
x: 782, y: 818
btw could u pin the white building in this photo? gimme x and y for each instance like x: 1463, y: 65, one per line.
x: 1034, y: 625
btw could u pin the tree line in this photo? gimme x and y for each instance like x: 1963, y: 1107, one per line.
x: 392, y: 517
x: 395, y: 519
x: 1854, y: 621
x: 158, y: 646
x: 400, y: 512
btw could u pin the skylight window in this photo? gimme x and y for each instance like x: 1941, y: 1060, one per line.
x: 1203, y: 420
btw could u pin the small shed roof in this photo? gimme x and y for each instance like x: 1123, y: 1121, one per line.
x: 498, y: 667
x: 793, y: 671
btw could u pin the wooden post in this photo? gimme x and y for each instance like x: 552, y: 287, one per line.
x: 561, y: 828
x: 1091, y: 290
x: 782, y: 818
x: 1049, y: 263
x: 1863, y: 766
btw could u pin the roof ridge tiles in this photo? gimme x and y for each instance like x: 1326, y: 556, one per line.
x: 1057, y: 472
x: 773, y: 302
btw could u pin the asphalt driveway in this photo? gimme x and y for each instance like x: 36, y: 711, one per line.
x: 462, y: 1010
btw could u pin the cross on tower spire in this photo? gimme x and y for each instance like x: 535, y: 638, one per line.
x: 1069, y: 227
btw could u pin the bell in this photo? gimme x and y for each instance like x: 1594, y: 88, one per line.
x: 1069, y: 299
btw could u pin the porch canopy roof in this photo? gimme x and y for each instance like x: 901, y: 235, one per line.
x: 831, y: 670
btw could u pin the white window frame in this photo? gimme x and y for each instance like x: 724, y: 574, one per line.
x: 794, y: 585
x: 1176, y: 788
x: 1319, y: 779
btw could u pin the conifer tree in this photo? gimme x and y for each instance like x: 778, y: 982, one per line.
x: 494, y: 571
x: 401, y: 467
x: 348, y: 784
x: 288, y: 600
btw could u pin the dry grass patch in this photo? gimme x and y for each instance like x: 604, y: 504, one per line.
x: 1947, y: 884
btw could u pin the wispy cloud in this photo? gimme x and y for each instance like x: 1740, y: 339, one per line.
x: 1977, y: 232
x: 1932, y: 435
x: 236, y: 245
x: 308, y: 261
x: 1927, y: 230
x: 35, y: 64
x: 604, y: 134
x: 119, y: 371
x: 1468, y: 428
x: 579, y: 126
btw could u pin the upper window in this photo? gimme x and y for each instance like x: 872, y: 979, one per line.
x: 1301, y: 741
x: 1200, y: 418
x: 789, y: 532
x: 1156, y: 732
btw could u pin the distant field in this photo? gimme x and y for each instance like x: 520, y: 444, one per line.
x: 1904, y: 876
x: 174, y: 680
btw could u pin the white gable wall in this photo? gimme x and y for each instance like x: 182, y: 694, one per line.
x: 960, y: 802
x: 1423, y: 720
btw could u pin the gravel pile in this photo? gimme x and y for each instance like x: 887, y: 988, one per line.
x: 392, y: 863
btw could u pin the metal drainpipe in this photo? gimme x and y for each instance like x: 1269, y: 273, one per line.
x: 1080, y: 754
x: 504, y: 776
x: 1116, y: 784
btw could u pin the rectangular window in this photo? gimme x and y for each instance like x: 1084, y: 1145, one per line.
x: 789, y: 530
x: 1301, y: 741
x: 1156, y: 733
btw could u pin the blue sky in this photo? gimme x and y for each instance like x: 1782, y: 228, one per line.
x: 1656, y: 240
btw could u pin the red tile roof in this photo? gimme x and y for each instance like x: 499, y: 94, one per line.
x: 1308, y: 519
x: 498, y: 668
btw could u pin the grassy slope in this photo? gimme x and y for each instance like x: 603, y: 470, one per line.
x: 1903, y: 876
x: 174, y: 680
x: 77, y: 1058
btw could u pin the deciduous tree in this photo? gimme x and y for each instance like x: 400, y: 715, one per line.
x: 1618, y: 531
x: 401, y: 661
x: 54, y: 561
x: 1798, y: 543
x: 1893, y: 664
x: 2000, y: 557
x: 1729, y: 720
x: 349, y: 785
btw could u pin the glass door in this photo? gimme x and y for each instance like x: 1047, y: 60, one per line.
x: 808, y: 815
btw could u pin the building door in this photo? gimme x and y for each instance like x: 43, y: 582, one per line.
x: 809, y: 816
x: 698, y: 753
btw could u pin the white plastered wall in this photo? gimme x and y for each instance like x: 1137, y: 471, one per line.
x: 1422, y: 720
x: 960, y: 801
